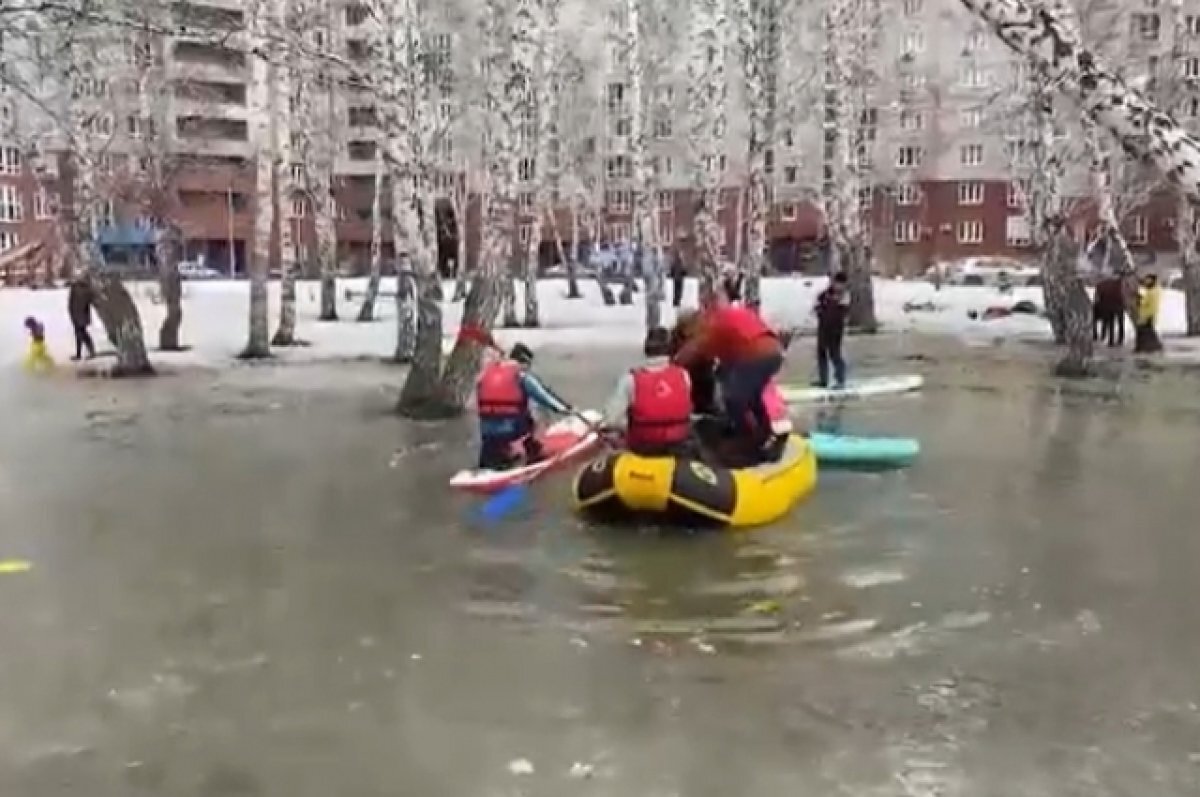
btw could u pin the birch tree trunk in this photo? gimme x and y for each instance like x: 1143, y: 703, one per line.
x: 325, y: 202
x: 572, y: 262
x: 282, y: 121
x: 261, y: 88
x: 459, y: 198
x: 707, y: 90
x: 170, y: 284
x: 367, y: 311
x: 406, y: 299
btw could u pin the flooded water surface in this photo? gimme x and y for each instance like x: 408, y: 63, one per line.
x: 258, y: 584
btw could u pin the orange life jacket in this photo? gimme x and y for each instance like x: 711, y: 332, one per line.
x: 660, y: 413
x: 498, y: 393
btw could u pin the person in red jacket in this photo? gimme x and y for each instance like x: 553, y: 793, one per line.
x: 653, y: 403
x: 750, y: 355
x: 504, y: 392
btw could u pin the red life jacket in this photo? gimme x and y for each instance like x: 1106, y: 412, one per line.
x: 498, y: 393
x: 660, y: 413
x: 736, y: 329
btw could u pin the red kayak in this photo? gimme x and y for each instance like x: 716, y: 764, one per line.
x: 563, y: 442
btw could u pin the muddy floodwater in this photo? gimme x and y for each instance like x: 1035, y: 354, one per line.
x: 256, y: 584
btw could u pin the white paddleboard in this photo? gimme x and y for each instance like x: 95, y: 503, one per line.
x: 866, y: 387
x: 564, y: 441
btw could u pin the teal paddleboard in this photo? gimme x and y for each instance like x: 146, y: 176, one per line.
x: 835, y: 450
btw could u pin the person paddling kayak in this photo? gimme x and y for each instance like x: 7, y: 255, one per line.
x: 504, y: 393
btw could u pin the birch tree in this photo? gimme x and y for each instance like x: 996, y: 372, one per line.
x: 263, y: 102
x: 708, y: 39
x: 287, y: 98
x: 366, y: 312
x: 319, y: 129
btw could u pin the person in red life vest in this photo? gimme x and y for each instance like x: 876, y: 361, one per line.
x: 652, y: 403
x: 750, y: 354
x: 503, y: 394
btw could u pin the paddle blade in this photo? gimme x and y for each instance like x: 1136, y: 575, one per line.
x: 504, y: 502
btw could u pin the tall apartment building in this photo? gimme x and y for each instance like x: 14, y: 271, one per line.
x: 943, y: 121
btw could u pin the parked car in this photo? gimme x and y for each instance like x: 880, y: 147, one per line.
x: 985, y: 272
x: 193, y: 270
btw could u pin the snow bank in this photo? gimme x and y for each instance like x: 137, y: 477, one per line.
x: 216, y: 318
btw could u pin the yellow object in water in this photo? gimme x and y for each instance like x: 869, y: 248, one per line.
x: 38, y: 359
x: 9, y: 566
x: 690, y: 492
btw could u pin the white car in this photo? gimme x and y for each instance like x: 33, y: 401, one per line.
x: 191, y: 270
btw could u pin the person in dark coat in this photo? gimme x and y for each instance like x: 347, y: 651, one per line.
x: 833, y: 306
x: 678, y: 274
x: 79, y: 308
x: 1108, y: 311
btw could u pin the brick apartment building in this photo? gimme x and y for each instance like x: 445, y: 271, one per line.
x: 942, y: 161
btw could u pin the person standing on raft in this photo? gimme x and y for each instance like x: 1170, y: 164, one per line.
x: 504, y: 392
x: 832, y: 308
x: 750, y: 355
x: 653, y: 403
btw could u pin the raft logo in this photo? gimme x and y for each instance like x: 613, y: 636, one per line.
x: 704, y: 473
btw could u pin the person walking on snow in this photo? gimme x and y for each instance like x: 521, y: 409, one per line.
x: 652, y: 403
x: 79, y: 308
x: 1149, y: 298
x: 832, y: 308
x: 503, y: 394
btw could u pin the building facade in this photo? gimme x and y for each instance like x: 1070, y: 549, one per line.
x: 946, y: 157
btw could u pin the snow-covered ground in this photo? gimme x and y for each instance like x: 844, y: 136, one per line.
x: 216, y: 318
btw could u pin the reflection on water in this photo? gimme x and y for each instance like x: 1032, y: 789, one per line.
x: 245, y: 591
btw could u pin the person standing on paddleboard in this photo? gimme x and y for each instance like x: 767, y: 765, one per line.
x: 832, y: 308
x: 504, y: 393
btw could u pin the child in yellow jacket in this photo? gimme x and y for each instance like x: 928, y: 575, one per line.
x: 38, y: 359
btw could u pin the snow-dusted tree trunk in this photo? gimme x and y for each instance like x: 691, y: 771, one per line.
x: 503, y: 95
x: 328, y: 144
x: 538, y: 57
x: 758, y: 28
x: 367, y: 311
x: 576, y: 255
x: 706, y: 97
x: 262, y: 86
x: 286, y: 90
x: 459, y: 198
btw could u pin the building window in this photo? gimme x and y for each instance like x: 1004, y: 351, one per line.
x: 619, y: 232
x: 525, y: 201
x: 299, y: 208
x: 912, y: 120
x: 623, y: 127
x: 976, y: 42
x: 618, y: 201
x: 970, y: 155
x: 1016, y: 231
x: 665, y: 200
x: 10, y: 204
x: 618, y: 167
x: 973, y: 77
x: 1138, y: 230
x: 9, y: 240
x: 526, y: 169
x: 1191, y: 25
x: 616, y: 98
x: 914, y: 42
x: 970, y: 193
x: 906, y: 232
x: 908, y: 194
x: 662, y: 126
x: 788, y: 211
x: 666, y: 233
x: 791, y: 175
x: 970, y: 232
x: 1146, y: 26
x: 909, y: 157
x: 524, y: 232
x: 1191, y: 67
x: 912, y: 7
x: 45, y: 204
x: 970, y: 118
x: 1017, y: 191
x: 10, y: 161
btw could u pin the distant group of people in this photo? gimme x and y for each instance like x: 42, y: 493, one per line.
x: 1109, y: 308
x: 724, y: 349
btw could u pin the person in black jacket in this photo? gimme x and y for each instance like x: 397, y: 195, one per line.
x: 678, y: 275
x: 79, y: 308
x: 833, y: 305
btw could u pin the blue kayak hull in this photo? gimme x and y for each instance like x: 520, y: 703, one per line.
x: 834, y: 450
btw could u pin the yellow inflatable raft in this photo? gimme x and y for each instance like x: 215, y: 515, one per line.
x: 690, y: 492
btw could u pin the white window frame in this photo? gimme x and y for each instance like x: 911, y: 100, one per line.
x: 527, y: 169
x: 618, y: 200
x: 914, y: 42
x: 12, y: 208
x: 788, y: 211
x: 916, y: 156
x: 911, y: 120
x: 970, y: 232
x: 666, y: 232
x: 526, y: 201
x: 971, y: 149
x: 619, y: 232
x: 1017, y: 194
x: 45, y: 205
x: 524, y: 233
x: 1191, y: 67
x: 664, y: 201
x: 908, y: 194
x: 906, y: 231
x: 1139, y: 230
x: 10, y: 161
x: 970, y: 118
x: 298, y: 208
x: 971, y: 192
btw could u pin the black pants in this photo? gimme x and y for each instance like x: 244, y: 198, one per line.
x: 829, y: 351
x: 496, y: 451
x: 1112, y: 328
x: 676, y: 290
x: 704, y: 388
x: 1146, y: 339
x: 83, y: 340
